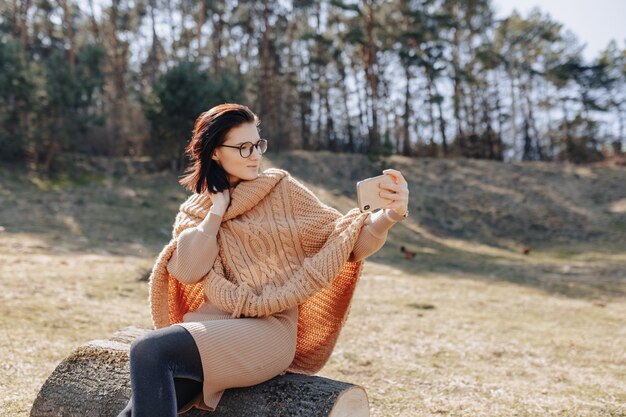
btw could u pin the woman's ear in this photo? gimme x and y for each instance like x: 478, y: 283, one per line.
x: 216, y: 159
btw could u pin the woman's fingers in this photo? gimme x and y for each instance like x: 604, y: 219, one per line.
x: 221, y: 198
x: 396, y: 175
x: 394, y: 187
x: 392, y: 205
x: 397, y: 192
x: 394, y: 196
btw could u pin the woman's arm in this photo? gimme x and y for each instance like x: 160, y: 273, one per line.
x: 374, y: 234
x: 196, y: 250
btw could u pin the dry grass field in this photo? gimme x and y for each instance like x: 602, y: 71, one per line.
x: 471, y: 326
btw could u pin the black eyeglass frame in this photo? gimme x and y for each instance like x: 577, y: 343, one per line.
x: 255, y: 145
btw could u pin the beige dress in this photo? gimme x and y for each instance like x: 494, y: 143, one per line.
x: 240, y: 352
x: 244, y: 351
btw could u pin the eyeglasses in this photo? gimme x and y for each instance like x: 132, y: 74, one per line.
x: 245, y: 149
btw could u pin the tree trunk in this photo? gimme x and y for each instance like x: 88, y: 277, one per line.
x: 185, y: 36
x: 371, y: 74
x: 498, y: 108
x: 362, y: 103
x: 94, y: 381
x: 431, y: 117
x: 199, y: 25
x: 513, y: 115
x: 531, y: 119
x: 406, y: 147
x: 217, y: 35
x: 442, y: 122
x: 67, y: 19
x: 343, y: 86
x: 472, y: 114
x: 456, y: 67
x: 621, y: 117
x: 487, y: 131
x: 267, y: 108
x: 172, y: 60
x: 154, y: 62
x: 286, y: 123
x: 95, y: 30
x: 22, y: 25
x: 550, y: 130
x: 527, y: 154
x: 318, y: 85
x: 304, y: 101
x: 117, y: 68
x: 442, y: 129
x: 330, y: 124
x: 569, y: 141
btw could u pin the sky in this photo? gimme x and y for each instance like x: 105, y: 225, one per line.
x: 595, y: 22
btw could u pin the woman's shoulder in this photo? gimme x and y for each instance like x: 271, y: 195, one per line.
x: 196, y: 205
x: 275, y: 172
x: 281, y: 177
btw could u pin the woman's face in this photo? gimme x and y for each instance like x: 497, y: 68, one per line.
x: 236, y: 167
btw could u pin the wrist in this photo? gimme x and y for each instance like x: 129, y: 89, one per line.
x: 395, y: 216
x: 210, y: 224
x: 380, y: 223
x: 218, y: 211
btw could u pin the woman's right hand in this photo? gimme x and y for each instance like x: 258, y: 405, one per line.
x: 220, y: 202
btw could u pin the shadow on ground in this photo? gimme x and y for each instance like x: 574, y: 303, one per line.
x: 469, y: 218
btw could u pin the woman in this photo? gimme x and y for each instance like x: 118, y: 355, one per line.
x: 257, y: 279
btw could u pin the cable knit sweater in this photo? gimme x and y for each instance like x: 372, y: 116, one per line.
x: 276, y: 247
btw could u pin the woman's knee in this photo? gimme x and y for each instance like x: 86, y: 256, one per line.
x: 158, y: 346
x: 141, y: 350
x: 149, y: 347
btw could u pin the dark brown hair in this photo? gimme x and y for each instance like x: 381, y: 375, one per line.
x: 209, y: 131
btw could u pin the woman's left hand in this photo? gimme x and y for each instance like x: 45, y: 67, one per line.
x: 396, y: 190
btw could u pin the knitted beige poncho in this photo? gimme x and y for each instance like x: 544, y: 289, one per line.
x: 280, y: 246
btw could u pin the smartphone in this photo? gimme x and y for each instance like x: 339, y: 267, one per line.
x: 367, y: 193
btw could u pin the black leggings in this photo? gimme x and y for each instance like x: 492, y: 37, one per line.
x: 165, y: 373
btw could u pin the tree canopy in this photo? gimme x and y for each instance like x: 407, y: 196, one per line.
x: 431, y: 78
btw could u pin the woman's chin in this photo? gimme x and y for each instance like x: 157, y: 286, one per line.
x: 249, y: 177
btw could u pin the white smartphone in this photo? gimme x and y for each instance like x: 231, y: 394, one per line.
x: 367, y: 193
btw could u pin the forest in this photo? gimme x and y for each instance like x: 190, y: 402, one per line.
x: 422, y: 78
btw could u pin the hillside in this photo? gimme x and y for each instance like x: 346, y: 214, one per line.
x: 470, y: 327
x: 465, y: 214
x: 505, y: 205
